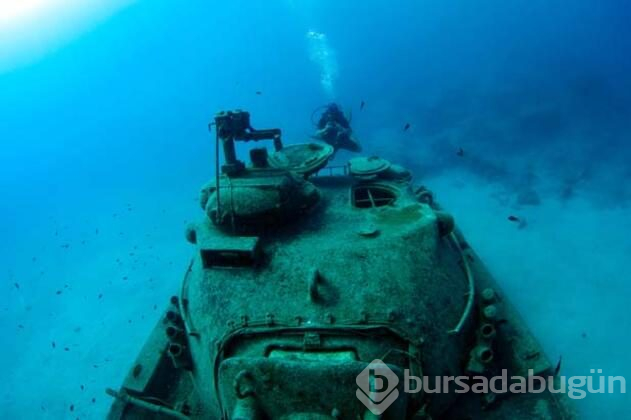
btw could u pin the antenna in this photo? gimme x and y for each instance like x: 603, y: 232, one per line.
x: 217, y: 174
x: 231, y: 126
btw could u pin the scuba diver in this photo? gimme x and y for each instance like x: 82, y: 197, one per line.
x: 335, y: 129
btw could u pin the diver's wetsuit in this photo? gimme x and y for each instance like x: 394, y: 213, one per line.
x: 335, y: 129
x: 334, y: 114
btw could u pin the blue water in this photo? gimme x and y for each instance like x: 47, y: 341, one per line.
x: 105, y: 144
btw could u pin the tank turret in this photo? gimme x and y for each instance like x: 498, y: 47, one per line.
x: 306, y: 279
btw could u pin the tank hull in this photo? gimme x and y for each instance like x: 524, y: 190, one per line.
x: 171, y: 392
x: 324, y: 296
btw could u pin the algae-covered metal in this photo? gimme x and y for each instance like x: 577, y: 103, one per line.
x: 304, y: 274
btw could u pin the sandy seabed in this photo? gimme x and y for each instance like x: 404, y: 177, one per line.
x: 85, y: 283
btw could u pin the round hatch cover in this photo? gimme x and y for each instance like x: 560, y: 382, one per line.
x: 303, y: 159
x: 368, y: 166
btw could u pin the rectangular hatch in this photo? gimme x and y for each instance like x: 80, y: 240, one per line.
x: 224, y: 251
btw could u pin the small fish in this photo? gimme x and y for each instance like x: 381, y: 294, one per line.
x: 53, y: 344
x: 407, y: 127
x: 17, y: 285
x: 65, y: 246
x: 460, y: 152
x: 71, y: 407
x: 513, y: 218
x: 58, y: 292
x: 584, y: 335
x: 100, y: 295
x: 20, y: 326
x: 258, y: 92
x: 361, y: 105
x: 82, y: 387
x: 557, y: 369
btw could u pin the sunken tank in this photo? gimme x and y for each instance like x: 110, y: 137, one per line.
x: 302, y: 275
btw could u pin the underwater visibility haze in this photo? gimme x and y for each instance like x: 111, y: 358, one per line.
x: 514, y: 116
